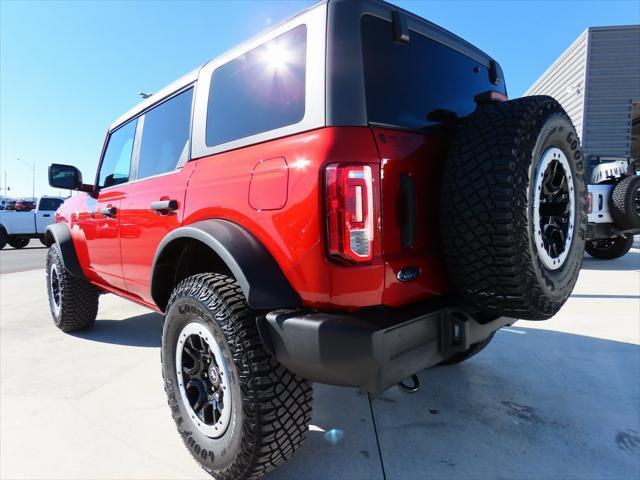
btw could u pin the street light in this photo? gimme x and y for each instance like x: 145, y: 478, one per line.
x: 33, y: 167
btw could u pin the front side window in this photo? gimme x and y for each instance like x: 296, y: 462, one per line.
x: 165, y: 135
x: 262, y: 90
x: 405, y: 83
x: 116, y: 163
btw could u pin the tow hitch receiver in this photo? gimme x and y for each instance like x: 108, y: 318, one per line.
x: 410, y: 388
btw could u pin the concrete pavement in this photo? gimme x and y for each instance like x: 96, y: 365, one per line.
x: 31, y: 257
x: 555, y: 399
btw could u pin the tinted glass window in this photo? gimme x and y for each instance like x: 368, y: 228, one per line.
x: 117, y: 158
x: 404, y: 82
x: 165, y: 135
x: 262, y: 90
x: 50, y: 203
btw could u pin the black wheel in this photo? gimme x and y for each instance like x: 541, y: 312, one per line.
x: 239, y: 412
x: 42, y: 241
x: 473, y: 349
x: 73, y: 301
x: 513, y: 208
x: 18, y: 242
x: 3, y: 237
x: 624, y: 203
x: 609, y: 248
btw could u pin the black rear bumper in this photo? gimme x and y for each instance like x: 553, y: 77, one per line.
x: 372, y: 349
x: 598, y: 231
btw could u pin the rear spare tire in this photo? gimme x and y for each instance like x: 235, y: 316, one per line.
x: 624, y: 203
x: 513, y: 208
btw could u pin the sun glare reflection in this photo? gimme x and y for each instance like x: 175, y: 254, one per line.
x: 277, y: 56
x: 300, y: 163
x: 334, y: 435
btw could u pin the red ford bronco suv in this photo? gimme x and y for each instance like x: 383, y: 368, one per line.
x: 346, y: 199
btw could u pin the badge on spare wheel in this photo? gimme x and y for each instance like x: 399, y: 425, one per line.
x: 408, y: 273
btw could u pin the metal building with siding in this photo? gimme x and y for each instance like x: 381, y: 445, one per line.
x: 597, y: 81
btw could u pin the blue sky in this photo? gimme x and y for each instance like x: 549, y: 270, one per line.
x: 68, y: 69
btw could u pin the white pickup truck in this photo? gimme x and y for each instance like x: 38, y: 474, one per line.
x: 17, y: 228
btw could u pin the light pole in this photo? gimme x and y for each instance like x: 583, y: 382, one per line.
x: 33, y: 185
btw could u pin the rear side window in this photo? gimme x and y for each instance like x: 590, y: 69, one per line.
x: 50, y: 203
x: 116, y: 162
x: 404, y: 82
x: 165, y: 135
x: 262, y: 90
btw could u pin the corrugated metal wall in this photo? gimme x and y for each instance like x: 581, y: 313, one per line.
x: 564, y: 80
x: 613, y: 83
x: 596, y: 80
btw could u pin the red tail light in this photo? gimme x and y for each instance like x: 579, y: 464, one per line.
x: 349, y: 210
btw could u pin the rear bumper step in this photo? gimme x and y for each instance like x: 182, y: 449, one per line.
x: 372, y: 350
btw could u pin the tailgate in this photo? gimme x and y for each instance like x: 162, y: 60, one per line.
x: 411, y: 165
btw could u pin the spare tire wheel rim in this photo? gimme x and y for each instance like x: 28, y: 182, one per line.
x: 203, y: 379
x: 636, y: 201
x: 553, y: 208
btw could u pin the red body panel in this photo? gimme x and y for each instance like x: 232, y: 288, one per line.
x: 219, y: 188
x: 142, y: 229
x: 275, y: 191
x: 99, y: 236
x: 421, y: 157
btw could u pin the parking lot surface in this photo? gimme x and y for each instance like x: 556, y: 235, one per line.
x: 30, y: 257
x: 555, y: 399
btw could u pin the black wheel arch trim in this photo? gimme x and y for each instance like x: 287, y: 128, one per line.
x: 60, y: 233
x: 254, y: 268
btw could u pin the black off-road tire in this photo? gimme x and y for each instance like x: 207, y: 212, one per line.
x: 609, y: 248
x: 624, y: 204
x: 473, y: 350
x: 78, y: 299
x: 486, y: 208
x: 18, y: 242
x: 271, y: 407
x: 3, y: 237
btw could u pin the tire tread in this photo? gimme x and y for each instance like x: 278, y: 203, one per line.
x: 276, y: 403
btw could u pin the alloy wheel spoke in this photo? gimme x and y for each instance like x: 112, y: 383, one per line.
x: 201, y: 400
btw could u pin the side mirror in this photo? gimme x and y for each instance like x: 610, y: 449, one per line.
x: 67, y: 177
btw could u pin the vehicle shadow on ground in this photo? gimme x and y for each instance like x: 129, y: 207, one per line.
x: 631, y: 261
x: 139, y: 331
x: 534, y: 403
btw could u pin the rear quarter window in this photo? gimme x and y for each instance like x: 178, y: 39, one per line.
x: 404, y: 82
x: 262, y: 90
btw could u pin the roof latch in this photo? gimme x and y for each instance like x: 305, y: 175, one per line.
x: 494, y: 75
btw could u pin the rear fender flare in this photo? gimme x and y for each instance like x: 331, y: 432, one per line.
x: 254, y: 268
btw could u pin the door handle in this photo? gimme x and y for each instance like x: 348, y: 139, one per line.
x: 164, y: 205
x: 108, y: 211
x: 46, y: 215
